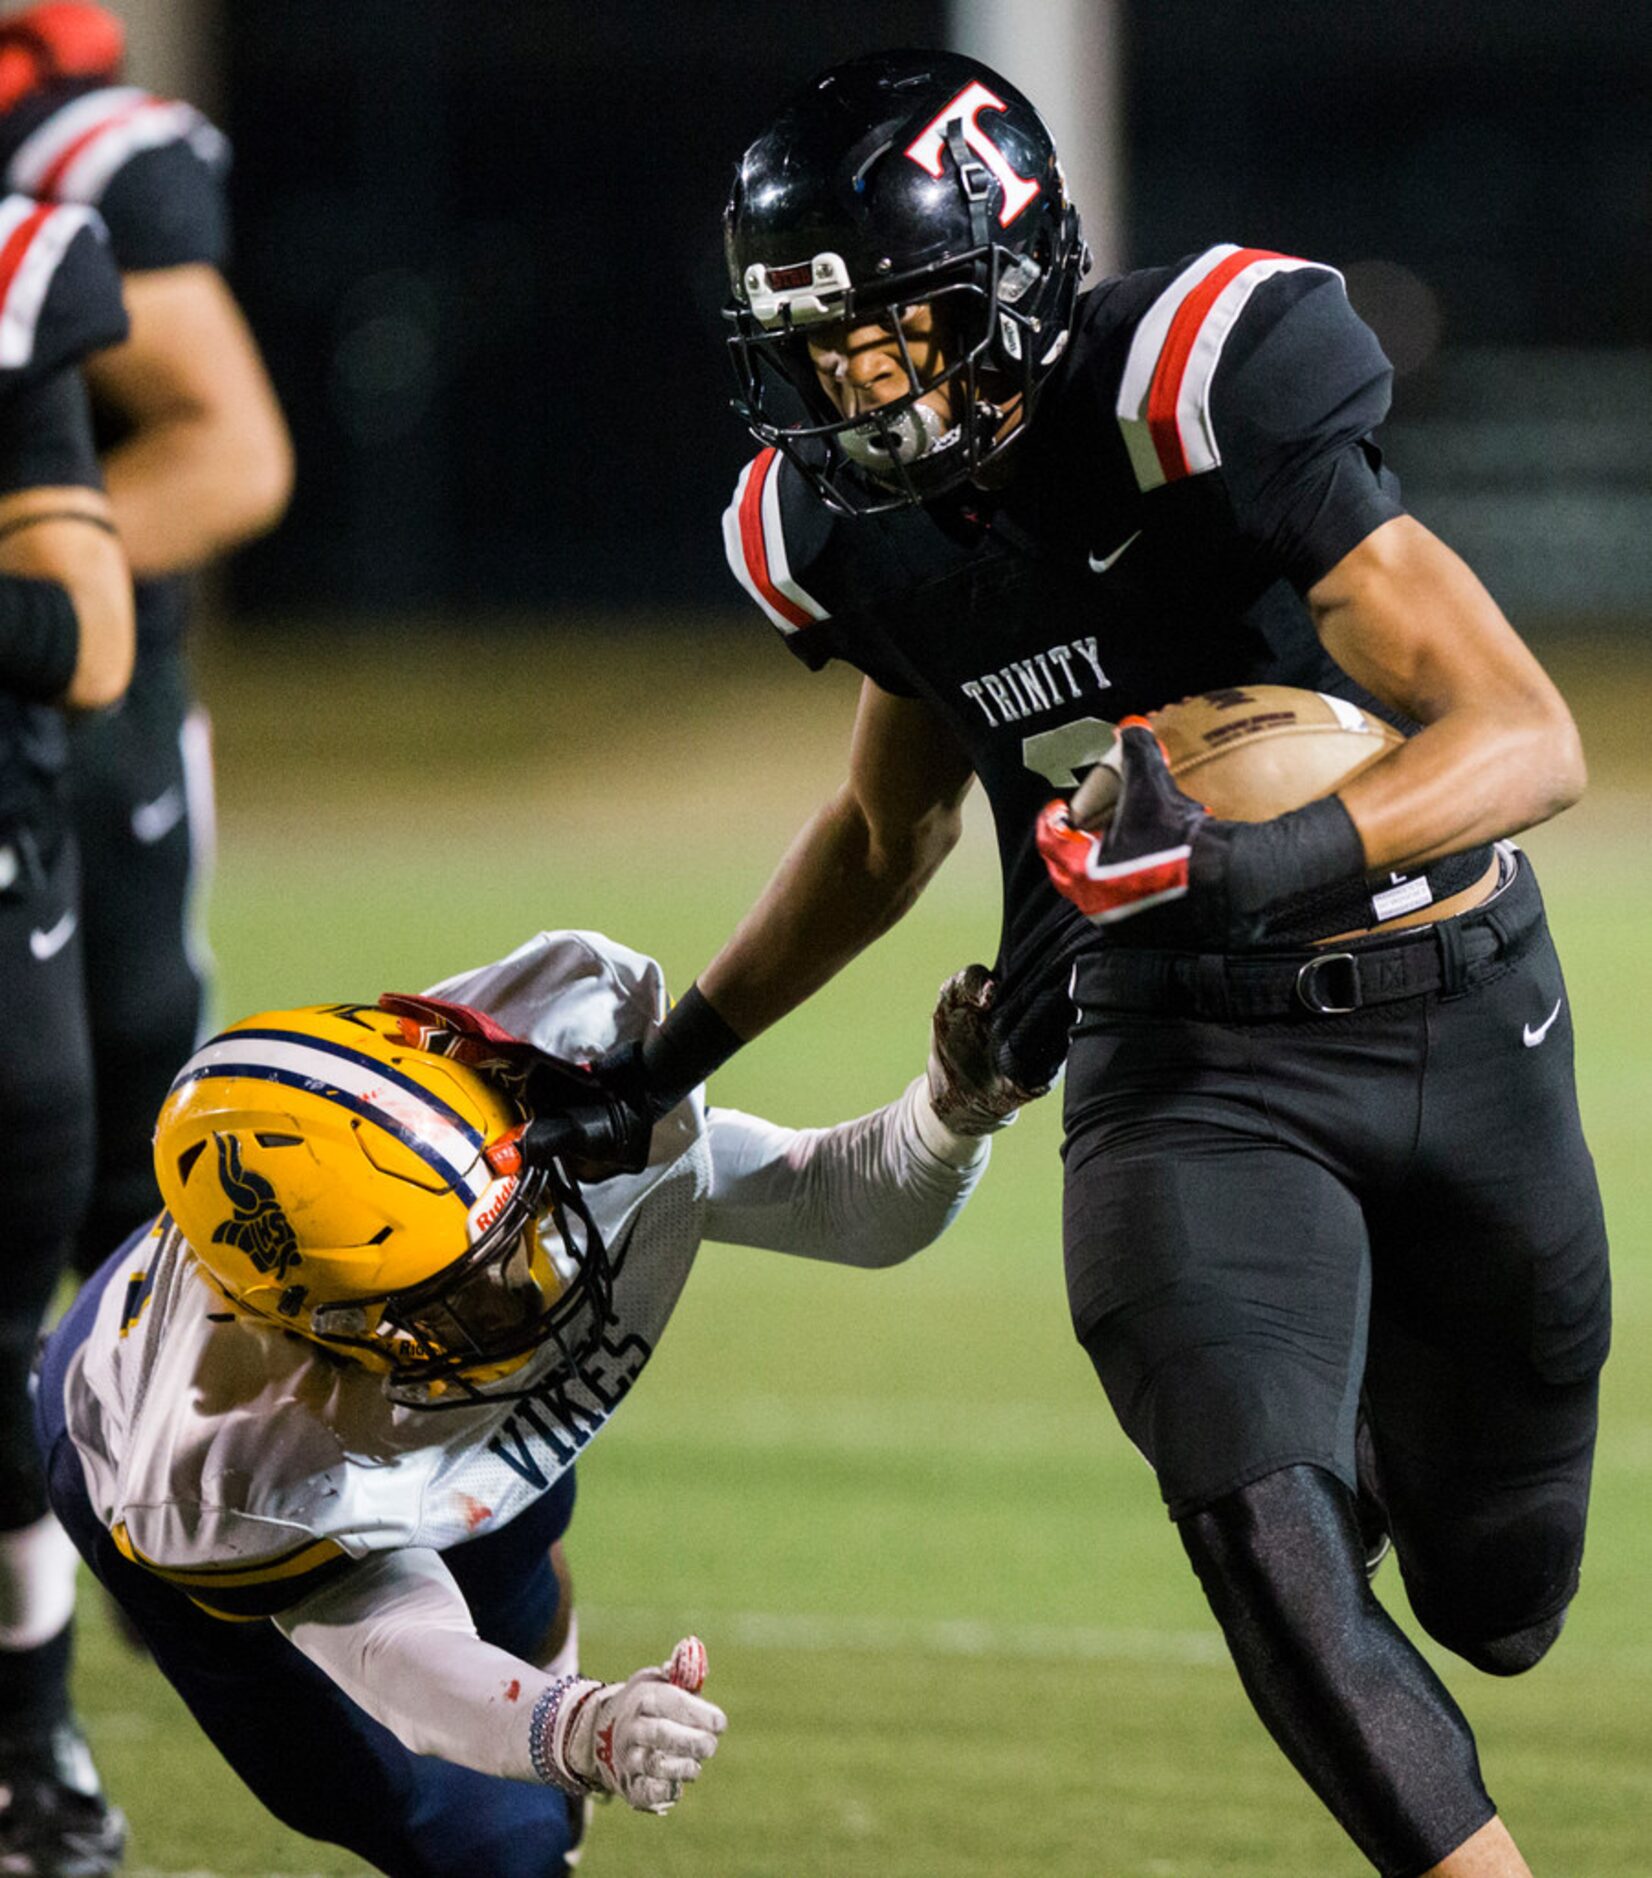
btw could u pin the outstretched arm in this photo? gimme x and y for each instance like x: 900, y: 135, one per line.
x: 396, y: 1635
x: 869, y: 1192
x: 853, y: 871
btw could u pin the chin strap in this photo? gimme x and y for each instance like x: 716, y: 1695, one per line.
x: 974, y: 178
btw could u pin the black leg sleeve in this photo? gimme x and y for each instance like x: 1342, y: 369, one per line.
x: 1357, y: 1711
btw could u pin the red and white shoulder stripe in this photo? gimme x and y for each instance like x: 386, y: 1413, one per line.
x: 34, y: 237
x: 75, y: 153
x: 755, y: 543
x: 1165, y: 396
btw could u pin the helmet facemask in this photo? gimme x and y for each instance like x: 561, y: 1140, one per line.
x: 452, y: 1340
x: 996, y: 356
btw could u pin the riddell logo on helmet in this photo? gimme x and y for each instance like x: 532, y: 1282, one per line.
x: 494, y: 1208
x: 925, y: 149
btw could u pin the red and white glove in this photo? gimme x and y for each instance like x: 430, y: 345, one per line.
x: 1140, y: 857
x: 969, y: 1093
x: 643, y: 1738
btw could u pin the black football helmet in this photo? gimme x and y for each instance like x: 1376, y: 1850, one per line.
x: 894, y: 180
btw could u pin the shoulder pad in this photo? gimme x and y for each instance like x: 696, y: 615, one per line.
x: 755, y: 542
x: 77, y: 152
x: 1164, y: 398
x: 59, y: 287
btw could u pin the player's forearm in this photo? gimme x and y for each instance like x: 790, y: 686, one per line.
x: 397, y: 1637
x: 187, y: 488
x: 1471, y: 777
x: 1499, y: 752
x: 869, y: 1192
x: 841, y: 885
x: 66, y: 617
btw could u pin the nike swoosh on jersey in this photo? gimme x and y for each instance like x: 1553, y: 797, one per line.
x: 152, y: 821
x: 1100, y: 564
x: 46, y: 945
x: 1533, y: 1034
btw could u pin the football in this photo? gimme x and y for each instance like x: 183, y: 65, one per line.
x: 1251, y: 752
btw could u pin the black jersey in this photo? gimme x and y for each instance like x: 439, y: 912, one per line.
x: 155, y: 170
x: 1202, y: 456
x: 59, y: 300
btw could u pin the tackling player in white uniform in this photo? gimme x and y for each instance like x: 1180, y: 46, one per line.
x: 342, y: 1381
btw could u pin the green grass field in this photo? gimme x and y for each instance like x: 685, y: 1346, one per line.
x: 953, y: 1631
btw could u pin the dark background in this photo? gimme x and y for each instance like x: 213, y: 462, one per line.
x: 480, y: 246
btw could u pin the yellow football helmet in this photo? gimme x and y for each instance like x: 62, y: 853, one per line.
x: 338, y: 1181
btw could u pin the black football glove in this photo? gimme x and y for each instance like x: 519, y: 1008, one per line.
x: 606, y: 1125
x: 1159, y: 845
x: 593, y: 1113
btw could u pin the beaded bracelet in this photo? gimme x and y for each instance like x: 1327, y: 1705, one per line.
x: 550, y: 1766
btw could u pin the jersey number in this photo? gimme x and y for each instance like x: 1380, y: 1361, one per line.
x: 1059, y: 754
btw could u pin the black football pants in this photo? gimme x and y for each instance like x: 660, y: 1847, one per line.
x: 1273, y: 1221
x: 141, y: 798
x: 45, y: 1123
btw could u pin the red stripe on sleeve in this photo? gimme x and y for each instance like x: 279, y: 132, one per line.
x: 53, y: 173
x: 1165, y: 392
x: 755, y: 548
x: 18, y: 244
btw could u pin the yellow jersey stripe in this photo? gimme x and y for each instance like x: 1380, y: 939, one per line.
x: 294, y: 1564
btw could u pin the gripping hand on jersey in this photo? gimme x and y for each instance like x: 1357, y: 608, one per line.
x: 968, y: 1090
x: 643, y: 1738
x: 1151, y: 844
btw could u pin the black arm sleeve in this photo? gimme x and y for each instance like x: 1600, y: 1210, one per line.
x: 1301, y: 385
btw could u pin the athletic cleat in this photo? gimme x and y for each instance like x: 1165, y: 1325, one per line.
x: 54, y: 1820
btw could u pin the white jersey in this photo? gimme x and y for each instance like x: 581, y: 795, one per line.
x: 250, y: 1467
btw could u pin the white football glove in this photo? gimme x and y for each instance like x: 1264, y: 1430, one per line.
x: 643, y: 1738
x: 967, y: 1090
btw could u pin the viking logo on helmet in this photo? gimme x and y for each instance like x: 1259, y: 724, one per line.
x: 259, y: 1228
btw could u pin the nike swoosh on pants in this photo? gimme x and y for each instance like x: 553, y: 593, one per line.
x: 46, y: 945
x: 1533, y: 1034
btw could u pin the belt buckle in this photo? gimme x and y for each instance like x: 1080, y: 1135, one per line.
x: 1308, y: 989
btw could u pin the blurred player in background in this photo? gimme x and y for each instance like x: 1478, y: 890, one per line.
x: 65, y: 647
x: 1024, y: 514
x: 197, y: 460
x: 343, y: 1381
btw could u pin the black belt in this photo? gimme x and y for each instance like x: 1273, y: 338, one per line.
x: 1324, y: 982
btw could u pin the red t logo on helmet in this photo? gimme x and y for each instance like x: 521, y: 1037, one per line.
x: 925, y: 149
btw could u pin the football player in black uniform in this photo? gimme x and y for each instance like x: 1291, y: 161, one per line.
x: 65, y: 646
x: 196, y: 459
x: 1333, y: 1239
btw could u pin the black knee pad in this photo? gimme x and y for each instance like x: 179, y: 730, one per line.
x: 1497, y: 1594
x: 1512, y: 1655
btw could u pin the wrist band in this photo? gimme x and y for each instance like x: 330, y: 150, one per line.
x: 39, y: 638
x: 550, y: 1762
x: 693, y: 1041
x: 1266, y: 862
